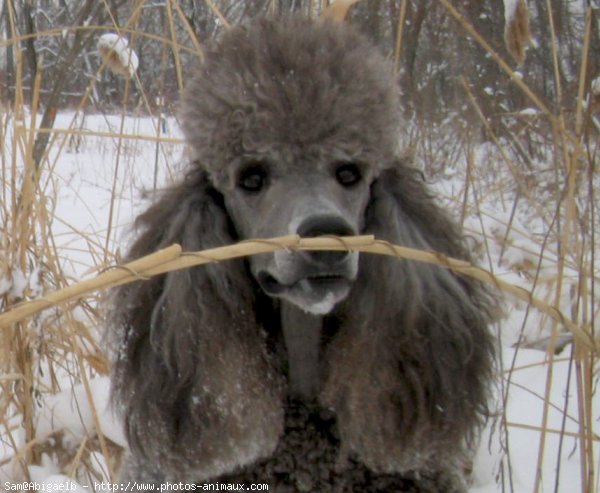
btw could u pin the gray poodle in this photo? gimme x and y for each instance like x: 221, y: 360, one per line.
x: 307, y: 371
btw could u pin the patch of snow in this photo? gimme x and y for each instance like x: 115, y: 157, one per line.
x: 72, y: 411
x: 46, y: 469
x: 5, y: 285
x: 117, y: 54
x: 596, y: 86
x: 529, y: 112
x: 510, y: 8
x: 19, y: 284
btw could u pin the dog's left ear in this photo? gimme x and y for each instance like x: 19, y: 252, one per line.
x: 408, y: 370
x: 192, y: 376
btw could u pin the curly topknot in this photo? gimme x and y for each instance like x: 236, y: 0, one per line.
x: 294, y: 82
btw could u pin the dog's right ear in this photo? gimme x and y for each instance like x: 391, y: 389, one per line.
x: 408, y: 369
x: 192, y: 377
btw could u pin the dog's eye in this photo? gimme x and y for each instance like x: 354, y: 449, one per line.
x: 253, y: 177
x: 348, y: 174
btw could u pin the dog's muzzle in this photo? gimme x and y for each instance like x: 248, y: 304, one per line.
x: 315, y: 281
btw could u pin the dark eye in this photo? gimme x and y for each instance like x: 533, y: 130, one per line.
x: 253, y: 177
x: 348, y: 174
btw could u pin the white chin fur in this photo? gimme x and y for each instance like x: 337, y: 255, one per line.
x: 305, y: 298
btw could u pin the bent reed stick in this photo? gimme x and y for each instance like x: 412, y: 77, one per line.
x: 173, y: 258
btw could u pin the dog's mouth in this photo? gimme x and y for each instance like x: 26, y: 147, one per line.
x: 315, y: 293
x: 273, y: 287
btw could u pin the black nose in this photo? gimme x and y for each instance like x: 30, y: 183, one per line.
x: 325, y: 225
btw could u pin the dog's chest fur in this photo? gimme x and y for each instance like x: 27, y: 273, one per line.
x: 307, y: 458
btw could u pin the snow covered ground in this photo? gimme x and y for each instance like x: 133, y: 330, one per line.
x: 88, y: 169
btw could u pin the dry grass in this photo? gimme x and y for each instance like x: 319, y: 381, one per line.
x: 569, y: 217
x: 49, y: 327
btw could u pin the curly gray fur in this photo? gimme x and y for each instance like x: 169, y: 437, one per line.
x: 211, y: 382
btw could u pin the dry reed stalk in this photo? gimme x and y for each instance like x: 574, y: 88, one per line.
x: 189, y: 29
x: 218, y: 13
x: 111, y: 135
x: 173, y: 259
x: 95, y: 418
x: 579, y: 120
x: 548, y: 430
x: 571, y: 151
x: 83, y: 288
x: 172, y: 34
x: 23, y: 220
x: 399, y: 35
x: 585, y: 361
x: 468, y: 181
x: 559, y: 129
x: 16, y: 39
x: 77, y: 459
x: 134, y: 18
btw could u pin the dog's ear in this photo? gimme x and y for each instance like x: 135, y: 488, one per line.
x: 192, y: 377
x: 408, y: 369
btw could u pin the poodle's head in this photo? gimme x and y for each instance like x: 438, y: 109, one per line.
x: 293, y: 120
